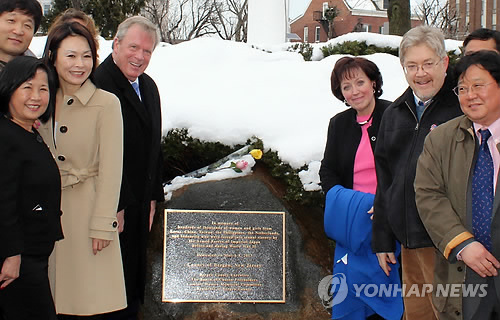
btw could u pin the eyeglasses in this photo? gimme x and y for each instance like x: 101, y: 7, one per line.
x: 426, y: 67
x: 475, y: 88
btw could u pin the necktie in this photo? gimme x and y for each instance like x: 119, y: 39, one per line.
x: 420, y: 109
x: 135, y: 85
x: 482, y: 193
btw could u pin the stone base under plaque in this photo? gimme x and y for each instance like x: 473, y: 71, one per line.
x: 308, y: 253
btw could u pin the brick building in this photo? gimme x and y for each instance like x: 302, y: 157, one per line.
x: 475, y: 14
x: 352, y: 15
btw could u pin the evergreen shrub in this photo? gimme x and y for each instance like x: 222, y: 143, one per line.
x: 356, y: 48
x: 305, y: 49
x: 183, y: 154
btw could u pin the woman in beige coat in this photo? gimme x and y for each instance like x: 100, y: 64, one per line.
x: 85, y: 138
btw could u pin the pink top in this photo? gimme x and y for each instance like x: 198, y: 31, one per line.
x: 365, y: 178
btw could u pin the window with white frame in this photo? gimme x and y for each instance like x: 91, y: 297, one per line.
x: 317, y: 33
x: 306, y: 34
x: 325, y: 6
x: 494, y: 16
x: 483, y: 13
x: 467, y: 12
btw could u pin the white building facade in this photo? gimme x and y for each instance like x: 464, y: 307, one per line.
x: 46, y: 5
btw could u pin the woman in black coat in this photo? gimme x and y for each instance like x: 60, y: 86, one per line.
x: 348, y: 160
x: 358, y: 83
x: 30, y: 193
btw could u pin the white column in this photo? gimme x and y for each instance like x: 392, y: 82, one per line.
x: 267, y: 21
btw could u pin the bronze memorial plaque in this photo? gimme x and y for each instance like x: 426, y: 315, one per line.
x: 224, y: 256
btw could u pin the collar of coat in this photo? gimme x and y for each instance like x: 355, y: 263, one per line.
x: 83, y: 94
x: 117, y: 75
x: 464, y: 126
x: 445, y: 93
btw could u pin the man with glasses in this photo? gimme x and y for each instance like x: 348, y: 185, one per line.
x: 428, y: 102
x: 456, y: 184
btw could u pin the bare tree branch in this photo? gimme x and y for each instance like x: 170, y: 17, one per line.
x: 189, y: 19
x: 439, y: 14
x: 232, y: 19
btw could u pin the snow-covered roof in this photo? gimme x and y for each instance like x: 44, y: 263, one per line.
x: 302, y: 14
x: 361, y: 5
x: 373, y: 8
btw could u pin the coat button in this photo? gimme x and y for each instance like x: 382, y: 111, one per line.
x: 115, y: 224
x: 61, y: 158
x: 63, y: 129
x: 70, y: 101
x: 457, y: 312
x: 374, y: 138
x: 460, y: 269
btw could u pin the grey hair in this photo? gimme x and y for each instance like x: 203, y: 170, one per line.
x: 147, y: 25
x: 430, y: 36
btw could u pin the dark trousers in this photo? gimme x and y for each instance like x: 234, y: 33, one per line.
x: 28, y: 297
x: 489, y: 306
x: 133, y: 244
x: 129, y: 313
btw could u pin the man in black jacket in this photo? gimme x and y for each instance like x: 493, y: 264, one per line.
x: 428, y: 102
x: 122, y: 73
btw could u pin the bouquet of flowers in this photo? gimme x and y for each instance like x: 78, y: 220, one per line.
x: 236, y: 164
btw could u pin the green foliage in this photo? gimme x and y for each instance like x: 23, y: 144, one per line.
x: 331, y: 13
x: 360, y: 48
x: 58, y: 6
x: 305, y: 49
x: 453, y: 57
x: 356, y: 48
x: 183, y: 154
x: 107, y: 14
x: 294, y: 189
x: 257, y: 48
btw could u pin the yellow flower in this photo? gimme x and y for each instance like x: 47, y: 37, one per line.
x: 256, y: 153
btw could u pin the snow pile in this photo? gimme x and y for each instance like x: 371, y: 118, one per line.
x: 229, y: 92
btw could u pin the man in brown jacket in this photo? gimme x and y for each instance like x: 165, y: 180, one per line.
x: 456, y: 195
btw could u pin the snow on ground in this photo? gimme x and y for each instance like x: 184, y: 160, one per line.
x: 228, y: 92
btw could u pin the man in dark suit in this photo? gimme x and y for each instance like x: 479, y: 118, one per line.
x: 122, y: 73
